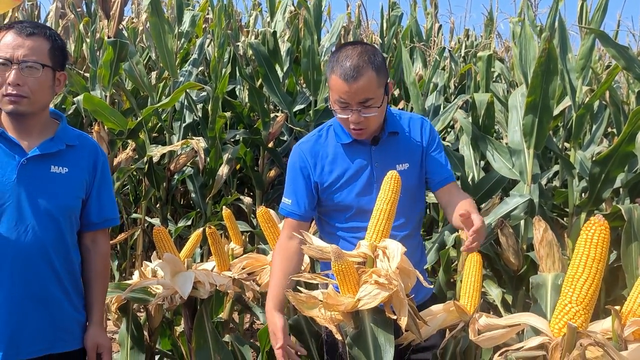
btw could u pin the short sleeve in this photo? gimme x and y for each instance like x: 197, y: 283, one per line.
x: 438, y: 172
x: 100, y: 210
x: 300, y: 195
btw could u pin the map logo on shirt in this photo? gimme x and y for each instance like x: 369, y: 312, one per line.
x: 59, y: 169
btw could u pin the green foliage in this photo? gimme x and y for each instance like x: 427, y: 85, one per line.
x: 202, y: 106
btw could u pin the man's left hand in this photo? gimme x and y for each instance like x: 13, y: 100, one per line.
x: 475, y: 228
x: 96, y: 342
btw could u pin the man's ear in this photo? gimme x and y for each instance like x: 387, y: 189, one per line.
x: 60, y: 81
x: 389, y: 89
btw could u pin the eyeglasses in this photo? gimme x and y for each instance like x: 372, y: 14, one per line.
x: 30, y: 69
x: 364, y: 111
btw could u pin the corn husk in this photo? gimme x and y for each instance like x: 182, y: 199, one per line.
x: 388, y: 283
x: 124, y: 158
x: 510, y: 251
x: 547, y: 248
x: 99, y: 133
x: 489, y: 331
x: 257, y: 267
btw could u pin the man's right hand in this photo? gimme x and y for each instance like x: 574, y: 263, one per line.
x: 286, y: 260
x: 282, y: 344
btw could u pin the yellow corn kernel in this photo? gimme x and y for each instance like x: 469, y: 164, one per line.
x: 232, y: 227
x: 191, y: 245
x: 384, y: 210
x: 220, y: 255
x: 471, y: 288
x: 345, y: 272
x: 268, y: 225
x: 631, y: 308
x: 582, y: 282
x: 164, y: 243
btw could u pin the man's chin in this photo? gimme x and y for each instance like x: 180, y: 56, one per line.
x: 14, y: 111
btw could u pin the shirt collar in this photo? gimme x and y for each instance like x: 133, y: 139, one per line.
x: 391, y: 127
x: 64, y: 134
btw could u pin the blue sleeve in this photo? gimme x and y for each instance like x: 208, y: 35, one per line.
x: 100, y: 210
x: 300, y: 189
x: 438, y: 172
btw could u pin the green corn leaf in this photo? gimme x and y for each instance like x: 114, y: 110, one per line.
x: 99, y: 109
x: 608, y: 165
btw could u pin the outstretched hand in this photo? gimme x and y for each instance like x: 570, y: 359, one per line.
x: 473, y: 224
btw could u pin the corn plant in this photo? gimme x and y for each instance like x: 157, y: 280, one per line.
x: 198, y: 104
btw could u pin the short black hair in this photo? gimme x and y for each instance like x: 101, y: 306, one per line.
x: 351, y: 59
x: 58, y: 53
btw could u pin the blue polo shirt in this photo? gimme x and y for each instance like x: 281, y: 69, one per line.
x: 48, y: 196
x: 335, y: 180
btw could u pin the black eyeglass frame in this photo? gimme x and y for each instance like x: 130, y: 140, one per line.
x: 347, y: 113
x: 22, y: 66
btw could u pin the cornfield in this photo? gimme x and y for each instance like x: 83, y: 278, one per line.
x: 198, y: 104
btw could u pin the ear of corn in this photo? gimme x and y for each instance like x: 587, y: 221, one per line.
x: 164, y: 243
x: 582, y: 282
x: 268, y: 225
x: 631, y: 307
x: 191, y: 245
x: 345, y: 272
x: 384, y: 210
x: 547, y: 248
x: 471, y: 288
x: 232, y: 227
x: 218, y: 251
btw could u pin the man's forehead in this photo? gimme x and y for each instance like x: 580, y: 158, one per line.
x: 32, y: 45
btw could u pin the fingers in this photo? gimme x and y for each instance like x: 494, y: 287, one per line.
x: 470, y: 247
x: 297, y: 348
x: 291, y: 355
x: 289, y: 350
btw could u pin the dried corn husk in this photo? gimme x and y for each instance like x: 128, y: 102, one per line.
x: 257, y: 267
x: 388, y: 283
x: 547, y: 248
x: 510, y: 252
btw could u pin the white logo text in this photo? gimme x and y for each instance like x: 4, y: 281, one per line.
x: 59, y: 169
x: 404, y: 166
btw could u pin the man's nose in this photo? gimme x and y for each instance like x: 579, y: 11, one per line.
x: 14, y: 76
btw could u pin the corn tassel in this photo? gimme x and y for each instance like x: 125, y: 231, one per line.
x: 631, y: 308
x: 582, y: 282
x: 164, y: 243
x: 232, y: 227
x: 218, y: 251
x: 191, y: 245
x: 268, y: 225
x: 384, y: 210
x: 345, y: 272
x: 471, y: 288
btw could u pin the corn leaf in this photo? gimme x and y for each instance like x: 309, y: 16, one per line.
x: 207, y: 343
x: 607, y: 166
x: 99, y: 109
x: 545, y: 291
x: 373, y: 337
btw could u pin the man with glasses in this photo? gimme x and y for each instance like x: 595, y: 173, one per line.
x: 334, y: 174
x: 56, y: 206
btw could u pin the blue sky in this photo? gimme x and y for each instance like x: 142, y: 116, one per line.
x: 477, y: 8
x: 505, y: 8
